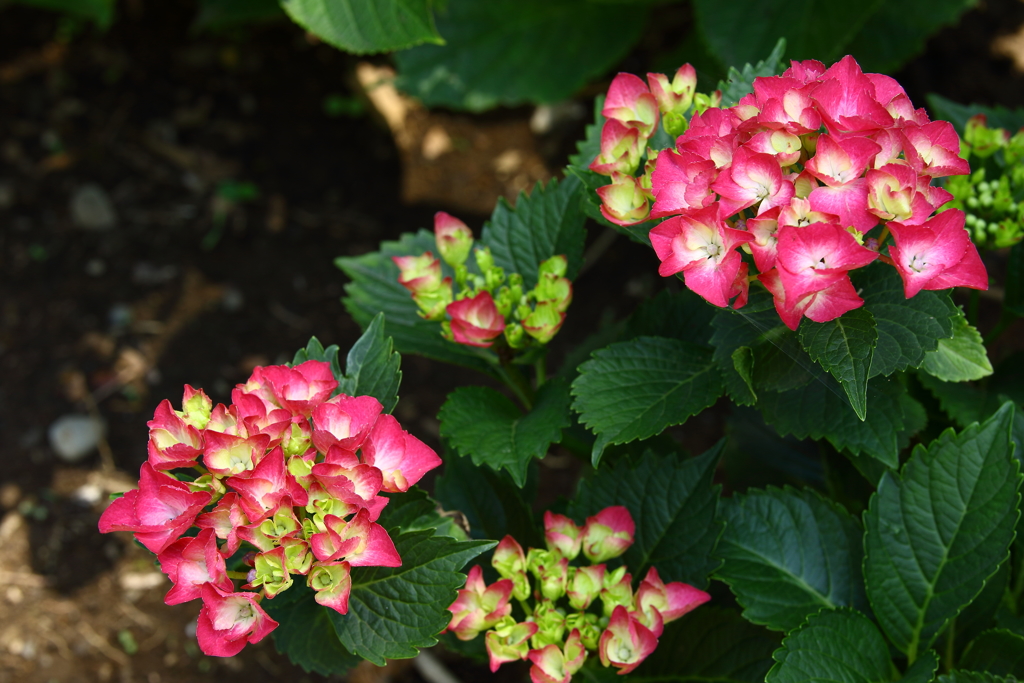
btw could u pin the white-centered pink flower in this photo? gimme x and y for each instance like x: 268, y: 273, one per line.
x: 938, y: 254
x: 227, y: 621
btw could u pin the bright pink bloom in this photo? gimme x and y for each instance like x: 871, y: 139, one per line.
x: 226, y: 455
x: 344, y: 421
x: 813, y: 258
x: 355, y: 484
x: 821, y: 306
x: 476, y: 321
x: 509, y: 643
x: 159, y: 511
x: 681, y: 180
x: 677, y: 96
x: 608, y: 534
x: 671, y: 600
x: 937, y: 254
x: 303, y: 387
x: 191, y: 562
x: 783, y: 145
x: 621, y: 147
x: 262, y: 488
x: 552, y: 664
x: 227, y: 621
x: 172, y: 442
x: 763, y: 230
x: 359, y: 542
x: 893, y: 195
x: 786, y: 104
x: 225, y: 520
x: 562, y: 534
x: 934, y: 149
x: 847, y: 102
x: 419, y: 273
x: 478, y: 606
x: 752, y: 179
x: 256, y: 416
x: 630, y: 102
x: 805, y: 71
x: 401, y: 458
x: 626, y: 642
x: 333, y: 585
x: 702, y: 247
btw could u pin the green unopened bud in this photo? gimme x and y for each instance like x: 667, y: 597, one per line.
x: 298, y: 559
x: 544, y: 322
x: 550, y: 625
x: 555, y: 289
x: 196, y: 407
x: 984, y: 141
x: 515, y: 335
x: 674, y: 123
x: 509, y: 641
x: 297, y: 440
x: 454, y: 238
x: 432, y: 304
x: 587, y: 625
x: 585, y: 585
x: 270, y: 571
x: 301, y: 469
x: 280, y: 524
x: 618, y: 590
x: 556, y: 265
x: 551, y: 570
x: 210, y: 483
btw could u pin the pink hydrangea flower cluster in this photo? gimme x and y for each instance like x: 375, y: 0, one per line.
x: 604, y: 614
x: 287, y: 469
x: 481, y: 309
x: 797, y: 175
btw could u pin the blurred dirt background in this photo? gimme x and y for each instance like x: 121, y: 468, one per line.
x: 170, y: 205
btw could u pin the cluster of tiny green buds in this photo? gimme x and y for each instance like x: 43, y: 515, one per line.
x: 992, y: 198
x: 487, y: 304
x: 604, y: 614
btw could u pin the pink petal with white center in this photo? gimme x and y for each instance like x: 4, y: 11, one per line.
x: 630, y: 102
x: 344, y: 421
x: 379, y: 550
x: 753, y: 179
x: 718, y: 149
x: 681, y: 181
x: 172, y: 442
x: 340, y: 538
x: 626, y: 642
x: 224, y: 420
x: 806, y: 71
x: 357, y: 485
x: 714, y: 122
x: 713, y: 279
x: 838, y: 162
x: 476, y: 321
x: 848, y: 204
x: 934, y: 149
x: 561, y: 533
x: 891, y: 142
x: 672, y: 600
x: 224, y: 520
x: 621, y: 146
x: 303, y: 387
x: 226, y: 455
x: 263, y: 488
x: 548, y: 665
x: 191, y: 562
x: 813, y: 258
x: 929, y: 256
x: 401, y: 458
x: 227, y: 621
x: 763, y: 230
x: 847, y: 102
x: 893, y: 195
x: 820, y: 306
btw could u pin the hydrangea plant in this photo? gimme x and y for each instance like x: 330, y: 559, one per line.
x: 811, y: 224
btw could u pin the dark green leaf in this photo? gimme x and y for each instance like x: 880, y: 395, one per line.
x: 833, y: 645
x: 545, y: 223
x: 738, y: 83
x: 635, y: 389
x: 939, y: 529
x: 844, y: 347
x: 486, y: 425
x: 743, y: 31
x: 374, y: 289
x: 372, y: 367
x: 820, y: 410
x: 907, y: 328
x: 492, y: 504
x: 734, y: 332
x: 998, y: 652
x: 414, y: 510
x: 975, y: 677
x: 305, y: 632
x: 959, y: 358
x: 672, y: 502
x: 510, y: 52
x: 315, y: 351
x: 898, y: 31
x: 786, y: 554
x: 962, y: 402
x: 923, y: 670
x: 366, y: 26
x: 395, y: 610
x: 710, y: 644
x: 957, y: 114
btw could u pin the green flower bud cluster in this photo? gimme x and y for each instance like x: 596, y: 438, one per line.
x: 992, y: 198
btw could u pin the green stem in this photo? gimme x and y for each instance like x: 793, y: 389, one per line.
x: 515, y: 381
x: 949, y: 662
x: 540, y: 369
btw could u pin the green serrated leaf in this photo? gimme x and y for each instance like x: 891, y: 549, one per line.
x: 315, y: 351
x: 672, y: 502
x: 975, y: 677
x: 395, y: 610
x: 898, y: 30
x: 414, y: 510
x: 545, y: 223
x: 996, y: 651
x: 488, y: 427
x: 787, y: 554
x: 710, y: 644
x: 923, y: 670
x: 738, y: 83
x: 939, y: 529
x: 844, y: 347
x: 509, y: 52
x: 907, y: 328
x: 366, y: 26
x: 305, y: 632
x: 733, y: 332
x: 820, y: 410
x: 680, y: 315
x: 833, y: 645
x: 493, y: 506
x: 373, y: 367
x: 374, y: 289
x: 960, y: 358
x: 635, y: 389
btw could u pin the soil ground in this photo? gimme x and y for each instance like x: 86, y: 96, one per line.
x: 193, y: 281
